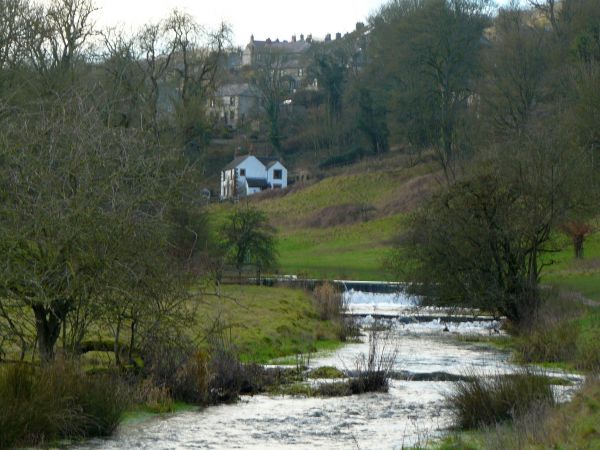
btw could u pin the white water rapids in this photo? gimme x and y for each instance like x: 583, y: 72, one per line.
x: 409, y: 414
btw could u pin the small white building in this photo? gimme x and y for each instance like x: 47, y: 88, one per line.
x: 247, y: 175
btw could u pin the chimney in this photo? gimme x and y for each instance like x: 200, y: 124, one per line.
x: 293, y: 38
x: 338, y: 36
x: 328, y: 37
x: 302, y: 37
x: 360, y: 26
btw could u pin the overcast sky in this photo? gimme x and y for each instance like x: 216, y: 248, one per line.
x: 263, y: 18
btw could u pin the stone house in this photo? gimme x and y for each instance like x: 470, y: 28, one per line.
x: 234, y: 104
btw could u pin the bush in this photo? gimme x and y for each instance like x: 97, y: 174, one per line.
x: 550, y: 343
x: 328, y: 301
x: 486, y: 401
x: 565, y: 331
x: 57, y: 401
x: 373, y: 370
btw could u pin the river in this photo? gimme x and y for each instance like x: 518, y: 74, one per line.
x: 411, y: 413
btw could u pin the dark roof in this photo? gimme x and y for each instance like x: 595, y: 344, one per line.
x: 233, y: 164
x: 266, y: 161
x: 287, y: 47
x: 257, y: 182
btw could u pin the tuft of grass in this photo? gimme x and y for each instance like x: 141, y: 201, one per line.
x: 326, y: 372
x: 487, y: 401
x: 41, y: 405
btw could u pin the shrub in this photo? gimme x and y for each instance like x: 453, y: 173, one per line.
x: 156, y: 398
x: 373, y: 370
x: 486, y: 401
x: 57, y: 401
x: 565, y: 331
x: 549, y: 343
x: 328, y: 301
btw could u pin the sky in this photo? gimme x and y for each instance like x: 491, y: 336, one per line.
x: 263, y: 18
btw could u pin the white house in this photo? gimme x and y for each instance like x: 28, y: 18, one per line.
x: 247, y: 175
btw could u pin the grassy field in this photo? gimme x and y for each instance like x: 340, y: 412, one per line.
x: 581, y: 275
x: 263, y: 323
x: 355, y: 251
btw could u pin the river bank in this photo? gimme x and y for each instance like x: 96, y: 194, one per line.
x: 410, y: 413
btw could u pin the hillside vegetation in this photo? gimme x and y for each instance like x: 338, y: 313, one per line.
x: 342, y: 225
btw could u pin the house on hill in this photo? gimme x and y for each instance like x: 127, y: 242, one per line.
x: 247, y: 175
x: 235, y: 103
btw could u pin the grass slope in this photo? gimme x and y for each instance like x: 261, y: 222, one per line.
x: 263, y: 323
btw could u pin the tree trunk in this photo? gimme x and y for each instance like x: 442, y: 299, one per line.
x: 48, y: 324
x: 132, y: 340
x: 578, y: 245
x: 116, y: 346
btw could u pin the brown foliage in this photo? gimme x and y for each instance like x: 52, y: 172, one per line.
x: 345, y: 214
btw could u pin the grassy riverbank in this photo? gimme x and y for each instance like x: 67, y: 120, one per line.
x: 79, y: 398
x: 263, y: 323
x: 567, y: 336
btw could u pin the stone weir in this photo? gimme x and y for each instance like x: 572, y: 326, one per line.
x: 375, y: 287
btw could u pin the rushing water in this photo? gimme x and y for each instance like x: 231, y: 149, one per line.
x: 410, y: 413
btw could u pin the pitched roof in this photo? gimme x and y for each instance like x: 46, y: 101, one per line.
x: 287, y: 47
x: 266, y: 161
x: 236, y: 162
x: 257, y: 182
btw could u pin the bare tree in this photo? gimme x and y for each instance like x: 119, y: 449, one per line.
x: 274, y: 87
x: 157, y: 50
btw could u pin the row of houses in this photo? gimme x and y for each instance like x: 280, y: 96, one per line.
x: 236, y: 102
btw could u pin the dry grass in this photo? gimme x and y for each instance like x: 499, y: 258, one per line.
x: 490, y: 400
x: 40, y: 405
x: 344, y: 214
x: 328, y: 301
x: 415, y: 192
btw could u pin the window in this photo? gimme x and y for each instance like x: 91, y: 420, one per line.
x: 300, y: 72
x: 232, y: 101
x: 232, y: 116
x: 242, y: 172
x: 277, y: 174
x: 276, y: 186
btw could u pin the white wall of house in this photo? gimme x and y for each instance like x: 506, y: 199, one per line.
x: 234, y: 181
x: 277, y: 169
x: 227, y: 183
x: 251, y: 167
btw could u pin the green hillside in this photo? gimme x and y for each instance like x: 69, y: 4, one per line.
x: 342, y: 226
